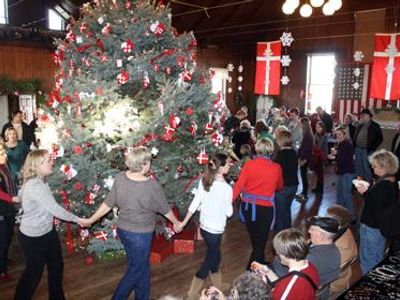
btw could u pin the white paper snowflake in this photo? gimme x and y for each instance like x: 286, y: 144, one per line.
x: 391, y: 50
x: 79, y: 39
x: 100, y: 20
x: 286, y: 60
x: 356, y: 85
x: 357, y: 72
x: 230, y: 90
x: 154, y: 151
x: 285, y: 80
x: 240, y: 78
x: 230, y: 67
x: 229, y: 79
x: 240, y: 88
x: 240, y: 69
x: 287, y: 39
x: 389, y: 69
x: 358, y: 56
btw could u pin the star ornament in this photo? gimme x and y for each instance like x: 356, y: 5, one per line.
x: 286, y: 60
x: 358, y: 56
x: 285, y: 80
x: 286, y: 39
x: 391, y: 50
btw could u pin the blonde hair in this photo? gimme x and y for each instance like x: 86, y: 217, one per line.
x: 386, y: 160
x: 264, y: 146
x: 137, y: 158
x: 32, y: 163
x: 8, y: 130
x: 284, y: 138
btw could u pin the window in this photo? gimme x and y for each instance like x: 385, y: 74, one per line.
x: 218, y: 81
x: 3, y: 12
x: 320, y: 82
x: 55, y: 21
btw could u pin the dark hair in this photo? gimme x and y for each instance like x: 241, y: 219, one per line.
x: 305, y: 126
x: 215, y: 162
x: 16, y: 112
x: 261, y: 126
x: 322, y: 125
x: 294, y: 110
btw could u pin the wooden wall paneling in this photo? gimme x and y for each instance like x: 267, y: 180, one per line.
x: 20, y: 62
x: 367, y: 24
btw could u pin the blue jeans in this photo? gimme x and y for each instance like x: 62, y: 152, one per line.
x: 372, y: 247
x: 361, y: 164
x: 213, y: 255
x: 137, y: 275
x: 283, y: 204
x: 344, y: 192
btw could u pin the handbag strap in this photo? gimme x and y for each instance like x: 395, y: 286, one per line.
x: 300, y: 274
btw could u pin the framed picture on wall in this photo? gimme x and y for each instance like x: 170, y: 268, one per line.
x: 27, y: 104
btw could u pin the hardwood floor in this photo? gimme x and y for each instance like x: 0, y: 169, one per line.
x: 174, y: 275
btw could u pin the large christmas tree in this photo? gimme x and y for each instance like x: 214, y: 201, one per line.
x: 126, y: 78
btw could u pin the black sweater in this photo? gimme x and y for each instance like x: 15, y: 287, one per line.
x: 379, y: 197
x: 287, y: 159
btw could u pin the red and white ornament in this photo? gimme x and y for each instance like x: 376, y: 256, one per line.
x: 217, y: 138
x: 146, y: 81
x: 123, y: 77
x: 68, y: 170
x: 208, y: 128
x: 127, y: 46
x: 202, y: 157
x: 157, y: 28
x: 193, y: 128
x: 186, y: 76
x: 70, y: 36
x: 89, y: 198
x: 106, y: 29
x: 101, y: 235
x: 219, y: 103
x: 174, y: 121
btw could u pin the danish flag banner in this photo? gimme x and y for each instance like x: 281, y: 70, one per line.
x: 385, y: 81
x: 268, y: 68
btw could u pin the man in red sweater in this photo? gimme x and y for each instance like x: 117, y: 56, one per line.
x: 257, y: 182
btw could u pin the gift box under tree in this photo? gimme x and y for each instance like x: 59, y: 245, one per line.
x: 161, y: 248
x: 185, y: 241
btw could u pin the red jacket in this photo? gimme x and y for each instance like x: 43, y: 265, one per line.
x: 261, y: 177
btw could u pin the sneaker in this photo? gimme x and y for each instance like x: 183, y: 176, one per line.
x: 4, y: 277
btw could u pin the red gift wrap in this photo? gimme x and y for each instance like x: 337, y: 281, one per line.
x: 184, y: 242
x: 160, y: 250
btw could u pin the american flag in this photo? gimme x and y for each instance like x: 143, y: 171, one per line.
x: 349, y: 99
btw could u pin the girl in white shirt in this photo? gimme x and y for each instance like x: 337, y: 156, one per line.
x: 213, y: 198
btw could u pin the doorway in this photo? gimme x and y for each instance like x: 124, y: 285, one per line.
x: 320, y: 81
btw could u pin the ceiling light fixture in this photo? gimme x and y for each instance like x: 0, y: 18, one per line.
x: 329, y: 7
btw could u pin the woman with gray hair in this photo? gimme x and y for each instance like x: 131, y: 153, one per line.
x: 377, y: 198
x: 258, y: 181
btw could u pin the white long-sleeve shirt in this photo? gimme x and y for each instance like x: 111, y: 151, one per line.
x: 215, y: 206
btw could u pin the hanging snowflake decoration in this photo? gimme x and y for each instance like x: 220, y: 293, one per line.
x: 358, y: 56
x: 240, y: 88
x: 240, y: 78
x: 287, y: 39
x: 230, y: 67
x: 389, y: 69
x: 230, y: 90
x: 240, y: 69
x: 285, y: 80
x: 230, y: 79
x: 356, y: 85
x: 357, y: 72
x: 391, y: 50
x: 286, y: 60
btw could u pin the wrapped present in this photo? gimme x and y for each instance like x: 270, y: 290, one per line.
x: 160, y: 250
x: 184, y: 242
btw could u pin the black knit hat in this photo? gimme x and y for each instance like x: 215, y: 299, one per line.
x: 325, y: 223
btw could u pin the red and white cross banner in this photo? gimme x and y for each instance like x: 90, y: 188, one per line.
x: 268, y: 68
x: 385, y: 81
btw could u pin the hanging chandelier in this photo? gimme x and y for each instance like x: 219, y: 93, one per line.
x: 329, y: 7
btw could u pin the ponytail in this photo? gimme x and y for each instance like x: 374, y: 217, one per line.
x: 215, y: 162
